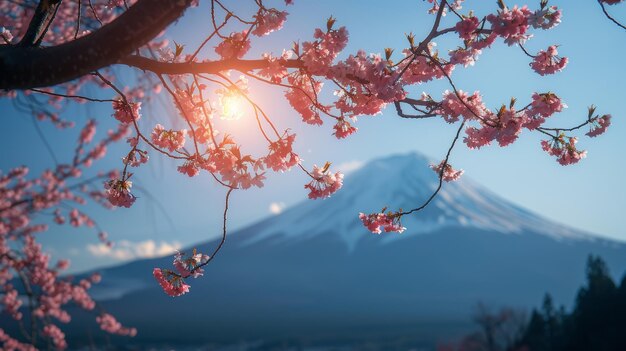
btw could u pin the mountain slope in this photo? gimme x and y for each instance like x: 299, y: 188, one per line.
x: 314, y: 273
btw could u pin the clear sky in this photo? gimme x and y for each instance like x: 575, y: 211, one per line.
x: 179, y: 211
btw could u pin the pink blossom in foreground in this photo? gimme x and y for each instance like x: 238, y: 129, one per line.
x: 275, y: 70
x: 318, y: 56
x: 465, y: 57
x: 135, y: 158
x: 389, y: 221
x: 511, y: 24
x: 546, y: 18
x: 546, y: 104
x: 467, y: 27
x: 611, y: 2
x: 300, y: 97
x: 191, y: 168
x: 343, y: 129
x: 168, y: 139
x: 547, y: 62
x: 269, y: 21
x: 599, y: 125
x: 324, y: 182
x: 449, y: 174
x: 173, y: 284
x: 109, y: 324
x: 372, y: 84
x: 126, y: 113
x: 422, y: 69
x: 471, y: 107
x: 478, y: 137
x: 118, y: 192
x: 564, y: 149
x: 190, y: 266
x: 234, y: 46
x: 281, y: 156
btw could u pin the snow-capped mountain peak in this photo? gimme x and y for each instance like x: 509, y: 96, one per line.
x: 406, y: 181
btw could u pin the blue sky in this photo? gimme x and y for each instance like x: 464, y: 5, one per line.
x: 590, y: 195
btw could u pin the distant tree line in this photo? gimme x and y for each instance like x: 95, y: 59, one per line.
x: 597, y: 321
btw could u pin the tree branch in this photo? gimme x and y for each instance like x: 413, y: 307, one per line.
x: 30, y: 67
x: 39, y: 24
x: 208, y: 67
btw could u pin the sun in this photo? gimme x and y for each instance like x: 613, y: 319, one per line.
x: 232, y: 105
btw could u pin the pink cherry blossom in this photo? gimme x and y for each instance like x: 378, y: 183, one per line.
x: 546, y: 18
x: 126, y: 113
x: 452, y: 108
x: 236, y: 45
x: 467, y: 27
x: 389, y: 221
x: 449, y: 174
x: 301, y: 98
x: 136, y: 158
x: 564, y: 149
x: 422, y: 69
x: 168, y: 139
x: 343, y: 128
x: 319, y: 55
x: 511, y: 24
x: 546, y: 104
x: 56, y: 335
x: 324, y: 183
x: 118, y: 192
x: 281, y: 156
x: 88, y: 132
x: 190, y: 266
x: 599, y: 125
x: 172, y: 284
x: 275, y: 70
x: 269, y: 21
x: 191, y: 168
x: 11, y: 302
x: 547, y: 62
x: 465, y: 57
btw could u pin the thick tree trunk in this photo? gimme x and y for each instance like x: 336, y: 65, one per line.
x: 24, y: 67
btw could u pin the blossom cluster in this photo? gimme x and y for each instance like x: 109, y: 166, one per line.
x: 446, y: 171
x: 173, y: 283
x: 126, y: 112
x: 324, y: 182
x: 60, y: 192
x: 564, y: 149
x: 389, y: 221
x: 118, y: 192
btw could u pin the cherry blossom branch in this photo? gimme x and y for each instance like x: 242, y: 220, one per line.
x: 24, y: 67
x: 40, y: 22
x: 207, y: 67
x: 51, y: 93
x: 606, y: 13
x: 441, y: 172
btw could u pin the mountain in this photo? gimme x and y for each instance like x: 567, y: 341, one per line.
x: 313, y: 273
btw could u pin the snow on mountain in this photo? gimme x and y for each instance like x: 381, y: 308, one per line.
x: 406, y: 181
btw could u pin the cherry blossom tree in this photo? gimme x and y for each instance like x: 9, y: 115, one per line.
x: 54, y: 53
